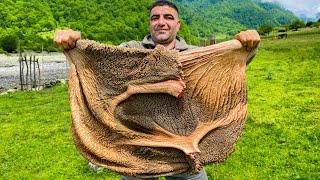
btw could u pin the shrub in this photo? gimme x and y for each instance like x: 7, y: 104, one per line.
x: 10, y: 42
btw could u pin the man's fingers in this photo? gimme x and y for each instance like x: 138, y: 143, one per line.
x: 243, y: 40
x: 73, y: 38
x: 250, y: 39
x: 256, y: 43
x: 255, y: 38
x: 75, y: 35
x: 250, y: 45
x: 72, y: 44
x: 57, y: 37
x: 65, y: 46
x: 66, y: 39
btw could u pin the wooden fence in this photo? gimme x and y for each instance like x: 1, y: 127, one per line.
x: 29, y: 72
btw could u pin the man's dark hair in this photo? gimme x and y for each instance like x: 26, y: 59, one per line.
x: 164, y: 3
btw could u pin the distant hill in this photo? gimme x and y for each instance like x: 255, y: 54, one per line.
x: 113, y: 22
x: 207, y: 17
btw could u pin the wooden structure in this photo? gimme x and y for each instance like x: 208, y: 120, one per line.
x: 29, y: 72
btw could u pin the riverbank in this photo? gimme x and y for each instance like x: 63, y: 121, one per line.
x: 53, y: 66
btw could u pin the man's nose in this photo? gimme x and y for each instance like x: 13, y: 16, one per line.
x: 161, y: 21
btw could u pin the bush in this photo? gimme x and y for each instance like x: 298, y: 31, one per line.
x: 10, y: 42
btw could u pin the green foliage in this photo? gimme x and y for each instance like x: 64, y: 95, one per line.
x: 227, y: 17
x: 295, y: 25
x: 309, y: 24
x: 316, y: 24
x: 27, y: 19
x: 312, y: 24
x: 114, y: 22
x: 104, y: 21
x: 264, y: 29
x: 280, y: 138
x: 9, y: 42
x: 2, y: 51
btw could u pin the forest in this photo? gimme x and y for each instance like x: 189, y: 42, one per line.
x: 30, y: 25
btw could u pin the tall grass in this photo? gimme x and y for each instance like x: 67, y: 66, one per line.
x: 280, y: 138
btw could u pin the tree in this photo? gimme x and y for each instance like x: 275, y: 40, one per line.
x: 265, y: 29
x: 297, y: 24
x: 309, y: 24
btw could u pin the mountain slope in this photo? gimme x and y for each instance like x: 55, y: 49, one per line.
x: 207, y: 17
x: 108, y: 21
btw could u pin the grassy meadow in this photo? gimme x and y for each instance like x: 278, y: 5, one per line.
x: 281, y: 138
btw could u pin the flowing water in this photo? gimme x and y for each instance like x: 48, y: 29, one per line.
x: 53, y: 66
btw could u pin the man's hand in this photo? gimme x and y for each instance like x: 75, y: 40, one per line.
x: 249, y: 39
x: 66, y: 39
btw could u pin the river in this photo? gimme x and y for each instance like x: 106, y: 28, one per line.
x: 53, y: 66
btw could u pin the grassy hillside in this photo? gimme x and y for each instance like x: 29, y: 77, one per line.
x: 227, y: 17
x: 280, y: 138
x: 107, y: 21
x: 34, y: 21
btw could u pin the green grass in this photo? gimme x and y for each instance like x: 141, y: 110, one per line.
x: 35, y: 138
x: 281, y: 136
x: 280, y: 139
x: 302, y: 31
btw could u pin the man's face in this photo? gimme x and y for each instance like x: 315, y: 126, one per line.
x: 164, y: 24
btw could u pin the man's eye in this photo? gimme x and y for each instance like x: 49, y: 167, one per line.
x: 154, y: 18
x: 170, y: 17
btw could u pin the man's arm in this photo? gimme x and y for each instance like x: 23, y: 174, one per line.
x: 66, y: 39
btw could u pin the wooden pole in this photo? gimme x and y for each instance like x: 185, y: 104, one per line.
x: 34, y: 82
x: 27, y: 74
x: 21, y: 70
